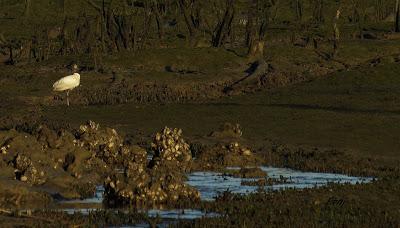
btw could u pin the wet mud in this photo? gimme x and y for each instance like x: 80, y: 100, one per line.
x: 45, y: 165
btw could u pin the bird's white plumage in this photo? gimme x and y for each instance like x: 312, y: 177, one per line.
x: 67, y: 83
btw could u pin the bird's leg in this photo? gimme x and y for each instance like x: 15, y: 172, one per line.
x: 67, y: 97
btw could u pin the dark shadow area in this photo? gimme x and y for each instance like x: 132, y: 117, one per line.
x: 256, y: 68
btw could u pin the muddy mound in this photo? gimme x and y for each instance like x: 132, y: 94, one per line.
x: 23, y: 153
x: 68, y: 163
x: 219, y: 156
x: 17, y: 194
x: 227, y: 150
x: 161, y: 182
x: 34, y: 162
x: 228, y: 130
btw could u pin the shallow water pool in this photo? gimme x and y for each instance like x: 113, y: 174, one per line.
x: 210, y: 184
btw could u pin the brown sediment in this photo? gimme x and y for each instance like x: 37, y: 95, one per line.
x: 328, y: 160
x: 221, y: 155
x: 74, y: 161
x: 228, y: 130
x: 49, y: 162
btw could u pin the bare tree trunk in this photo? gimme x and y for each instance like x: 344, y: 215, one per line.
x: 250, y: 27
x: 105, y: 17
x: 318, y: 11
x: 299, y: 10
x: 63, y: 37
x: 103, y: 26
x: 397, y: 20
x: 336, y: 32
x: 191, y: 14
x: 157, y: 9
x: 11, y: 60
x: 61, y: 5
x: 224, y: 26
x: 379, y: 11
x: 256, y: 30
x: 27, y: 10
x: 144, y: 35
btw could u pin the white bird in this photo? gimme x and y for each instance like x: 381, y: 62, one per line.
x: 67, y: 83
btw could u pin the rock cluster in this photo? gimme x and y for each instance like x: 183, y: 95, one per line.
x: 25, y: 171
x: 161, y: 181
x: 148, y: 188
x: 4, y: 149
x: 108, y: 150
x: 105, y: 143
x: 39, y: 155
x: 235, y: 148
x: 72, y: 161
x: 170, y: 148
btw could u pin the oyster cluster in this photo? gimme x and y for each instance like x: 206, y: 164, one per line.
x: 162, y: 181
x: 235, y: 148
x: 25, y: 171
x: 4, y: 149
x: 106, y: 144
x: 148, y: 188
x: 135, y: 160
x: 170, y: 148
